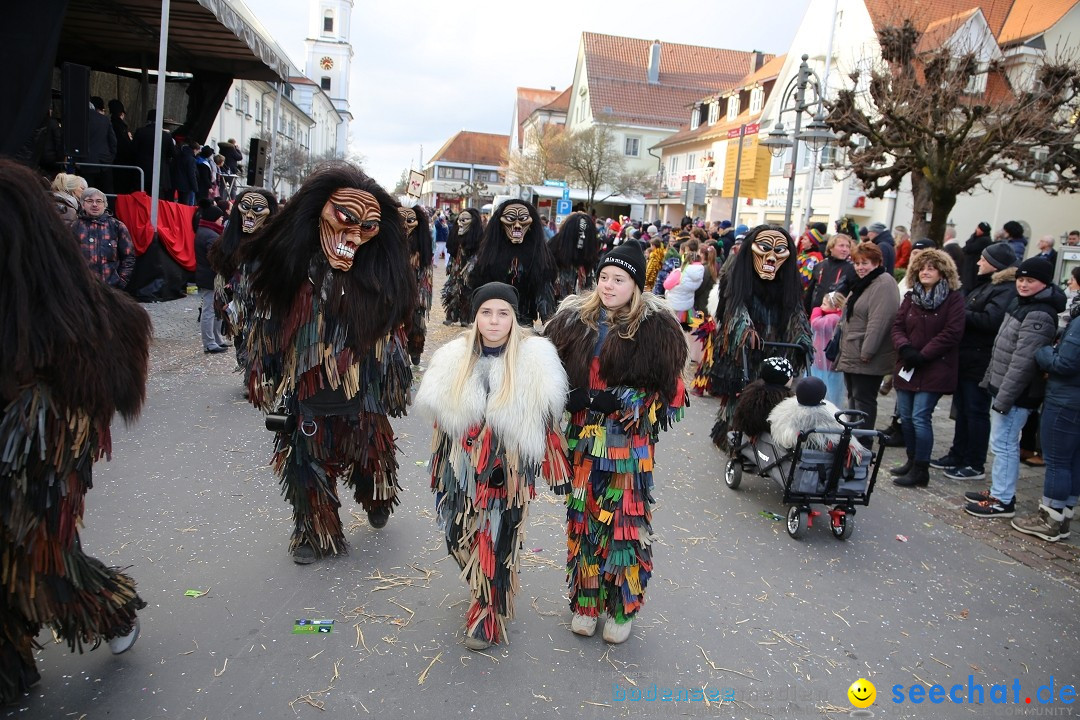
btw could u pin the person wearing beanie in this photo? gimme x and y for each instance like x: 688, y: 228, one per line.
x: 1015, y: 382
x: 624, y: 354
x: 878, y: 234
x: 986, y: 299
x: 757, y: 399
x: 1014, y: 235
x: 208, y: 229
x: 980, y: 239
x: 496, y: 395
x: 810, y: 244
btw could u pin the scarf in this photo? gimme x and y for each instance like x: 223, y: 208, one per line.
x: 859, y: 287
x: 930, y: 299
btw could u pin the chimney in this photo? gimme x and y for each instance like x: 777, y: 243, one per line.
x: 757, y: 59
x: 654, y: 63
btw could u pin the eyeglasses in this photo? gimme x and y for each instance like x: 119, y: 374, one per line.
x: 95, y: 201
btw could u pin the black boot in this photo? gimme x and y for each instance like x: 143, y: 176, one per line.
x: 918, y: 477
x: 894, y: 434
x: 906, y: 467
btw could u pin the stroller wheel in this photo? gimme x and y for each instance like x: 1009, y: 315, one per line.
x: 733, y: 473
x: 796, y: 522
x: 843, y: 525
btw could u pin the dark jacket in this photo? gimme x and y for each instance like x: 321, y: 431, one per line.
x: 186, y: 178
x: 829, y: 275
x: 205, y: 236
x: 984, y: 311
x: 144, y: 157
x: 1062, y: 365
x: 972, y: 252
x: 701, y: 295
x: 1030, y: 323
x: 101, y: 147
x: 935, y: 334
x: 233, y: 156
x: 887, y: 245
x: 1019, y: 246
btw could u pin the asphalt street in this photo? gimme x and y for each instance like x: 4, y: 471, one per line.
x: 770, y: 627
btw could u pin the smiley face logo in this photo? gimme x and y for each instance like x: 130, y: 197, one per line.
x: 862, y: 693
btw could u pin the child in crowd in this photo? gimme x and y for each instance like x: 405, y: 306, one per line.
x: 823, y: 321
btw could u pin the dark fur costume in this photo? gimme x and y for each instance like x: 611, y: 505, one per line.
x: 73, y: 352
x: 232, y: 294
x: 456, y: 293
x: 750, y: 312
x: 529, y: 266
x: 755, y: 403
x: 575, y: 249
x: 609, y: 510
x: 421, y: 255
x: 330, y: 346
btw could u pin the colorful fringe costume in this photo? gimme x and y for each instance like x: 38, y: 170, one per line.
x: 456, y: 293
x: 484, y: 464
x: 418, y: 329
x: 418, y: 240
x: 340, y: 400
x: 609, y: 511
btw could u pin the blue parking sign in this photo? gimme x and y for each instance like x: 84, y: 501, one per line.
x: 562, y: 207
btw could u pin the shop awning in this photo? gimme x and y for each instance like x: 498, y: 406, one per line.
x: 217, y: 36
x: 580, y: 194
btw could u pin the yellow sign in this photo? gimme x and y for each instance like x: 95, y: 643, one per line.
x: 754, y: 173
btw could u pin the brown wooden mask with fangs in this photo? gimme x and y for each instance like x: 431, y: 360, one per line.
x: 464, y: 221
x: 770, y: 249
x: 515, y: 221
x: 254, y: 211
x: 408, y: 216
x: 348, y: 220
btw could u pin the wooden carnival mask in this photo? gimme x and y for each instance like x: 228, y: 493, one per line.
x: 254, y: 211
x: 770, y: 249
x: 464, y: 222
x: 348, y: 220
x: 408, y: 217
x: 515, y: 221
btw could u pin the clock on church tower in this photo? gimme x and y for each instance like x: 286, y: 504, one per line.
x: 327, y: 63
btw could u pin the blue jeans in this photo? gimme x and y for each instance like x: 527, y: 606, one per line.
x: 1060, y: 433
x: 1005, y: 442
x: 971, y: 435
x: 916, y: 411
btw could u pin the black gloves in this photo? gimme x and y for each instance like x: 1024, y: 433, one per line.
x: 911, y: 357
x: 605, y: 402
x: 577, y: 399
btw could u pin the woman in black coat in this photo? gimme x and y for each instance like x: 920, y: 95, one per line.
x: 834, y: 273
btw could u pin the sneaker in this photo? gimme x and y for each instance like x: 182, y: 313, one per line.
x: 583, y: 625
x: 303, y: 554
x: 616, y: 633
x: 977, y: 495
x: 123, y: 643
x: 965, y: 473
x: 991, y: 507
x: 1068, y: 514
x: 945, y: 462
x: 1045, y: 523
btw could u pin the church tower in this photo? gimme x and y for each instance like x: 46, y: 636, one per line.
x: 329, y: 56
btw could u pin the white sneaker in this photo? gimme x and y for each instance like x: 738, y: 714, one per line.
x: 583, y: 625
x: 123, y: 643
x: 616, y: 633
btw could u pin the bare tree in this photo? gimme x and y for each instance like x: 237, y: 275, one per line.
x: 948, y: 117
x: 541, y: 160
x: 471, y: 191
x: 291, y: 165
x: 593, y: 161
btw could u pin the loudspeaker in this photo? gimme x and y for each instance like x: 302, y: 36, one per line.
x: 256, y: 161
x: 75, y: 89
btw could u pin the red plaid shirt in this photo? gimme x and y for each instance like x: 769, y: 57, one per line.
x: 106, y: 245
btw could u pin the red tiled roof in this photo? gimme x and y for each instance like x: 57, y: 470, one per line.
x: 1031, y: 17
x: 561, y: 103
x: 617, y: 69
x: 473, y: 147
x: 769, y: 71
x: 706, y: 132
x: 528, y: 100
x: 1009, y: 20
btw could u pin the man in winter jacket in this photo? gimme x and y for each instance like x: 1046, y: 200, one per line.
x: 988, y: 297
x: 973, y: 248
x: 880, y: 236
x: 1014, y: 381
x: 105, y: 241
x: 1014, y: 232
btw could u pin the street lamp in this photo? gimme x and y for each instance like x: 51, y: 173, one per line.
x: 817, y: 134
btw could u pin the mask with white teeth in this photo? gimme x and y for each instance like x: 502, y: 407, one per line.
x: 348, y: 220
x: 408, y: 218
x: 254, y: 210
x: 515, y: 221
x: 771, y: 248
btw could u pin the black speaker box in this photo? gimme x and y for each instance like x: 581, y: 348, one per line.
x: 256, y: 162
x: 75, y: 89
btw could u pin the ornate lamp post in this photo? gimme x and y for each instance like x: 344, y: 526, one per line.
x: 816, y: 134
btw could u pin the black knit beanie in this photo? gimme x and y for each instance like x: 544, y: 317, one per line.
x: 628, y: 257
x: 494, y: 291
x: 1000, y: 255
x: 1038, y: 269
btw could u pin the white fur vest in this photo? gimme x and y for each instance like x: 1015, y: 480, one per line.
x: 522, y: 423
x: 789, y: 418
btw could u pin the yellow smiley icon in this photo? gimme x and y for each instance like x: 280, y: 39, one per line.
x: 862, y: 693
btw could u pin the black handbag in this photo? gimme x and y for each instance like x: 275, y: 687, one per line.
x: 832, y: 350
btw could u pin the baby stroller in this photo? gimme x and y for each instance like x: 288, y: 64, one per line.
x: 840, y: 477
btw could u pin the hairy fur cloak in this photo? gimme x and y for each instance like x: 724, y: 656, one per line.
x: 565, y: 249
x: 652, y: 361
x: 755, y: 403
x: 470, y: 243
x: 789, y: 418
x: 420, y: 240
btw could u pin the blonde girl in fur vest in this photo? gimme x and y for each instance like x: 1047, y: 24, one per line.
x: 624, y: 354
x: 496, y: 395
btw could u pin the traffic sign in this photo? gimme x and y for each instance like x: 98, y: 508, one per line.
x: 566, y: 194
x: 562, y: 207
x: 555, y: 183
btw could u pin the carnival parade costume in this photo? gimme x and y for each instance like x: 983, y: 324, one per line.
x: 70, y: 360
x: 760, y: 300
x: 575, y: 249
x: 462, y: 244
x: 485, y: 461
x: 232, y: 285
x: 418, y: 242
x: 611, y: 450
x: 513, y: 251
x: 333, y: 288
